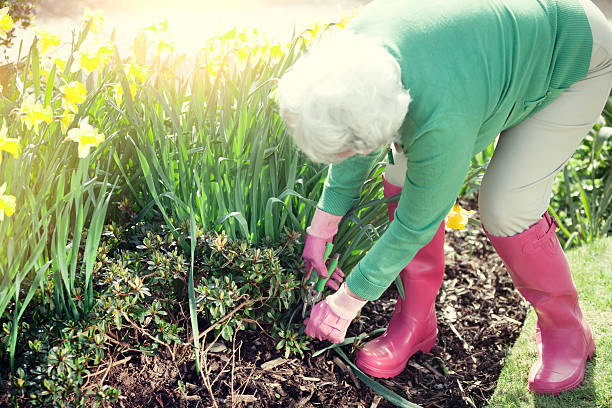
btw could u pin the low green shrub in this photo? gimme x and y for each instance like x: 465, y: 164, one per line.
x: 141, y: 304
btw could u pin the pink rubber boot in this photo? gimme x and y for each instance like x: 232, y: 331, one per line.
x: 413, y: 325
x: 539, y: 270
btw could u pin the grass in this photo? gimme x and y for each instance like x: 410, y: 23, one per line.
x: 590, y: 266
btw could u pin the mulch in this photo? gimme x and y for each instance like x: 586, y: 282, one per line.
x: 479, y: 317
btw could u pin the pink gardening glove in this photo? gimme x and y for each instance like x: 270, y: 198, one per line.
x: 323, y: 228
x: 330, y: 318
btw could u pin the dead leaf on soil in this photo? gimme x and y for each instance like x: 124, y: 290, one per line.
x: 270, y: 365
x: 218, y: 348
x: 245, y: 398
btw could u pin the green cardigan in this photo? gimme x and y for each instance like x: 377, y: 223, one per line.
x: 473, y: 68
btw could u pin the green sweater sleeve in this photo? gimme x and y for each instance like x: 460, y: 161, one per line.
x: 437, y: 162
x: 344, y: 181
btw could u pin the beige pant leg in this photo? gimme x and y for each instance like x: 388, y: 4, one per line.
x: 517, y: 185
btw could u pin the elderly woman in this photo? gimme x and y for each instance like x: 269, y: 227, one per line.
x: 438, y: 81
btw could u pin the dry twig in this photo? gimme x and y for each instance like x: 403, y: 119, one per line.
x: 224, y: 318
x: 347, y: 370
x: 116, y: 363
x: 146, y: 334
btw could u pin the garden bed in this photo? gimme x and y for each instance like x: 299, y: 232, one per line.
x: 479, y: 317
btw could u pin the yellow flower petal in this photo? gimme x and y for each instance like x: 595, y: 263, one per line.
x: 66, y: 119
x: 7, y: 203
x: 118, y: 91
x: 83, y: 150
x: 61, y: 64
x: 75, y: 93
x: 11, y: 146
x: 47, y: 41
x: 457, y: 217
x: 91, y: 63
x: 86, y: 136
x: 32, y: 113
x: 276, y: 50
x: 105, y: 52
x: 6, y: 22
x: 135, y: 73
x: 97, y: 19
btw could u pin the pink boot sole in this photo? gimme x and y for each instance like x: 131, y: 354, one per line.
x: 425, y: 346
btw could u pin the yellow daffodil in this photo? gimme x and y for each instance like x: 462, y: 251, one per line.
x: 32, y: 113
x: 119, y: 92
x: 243, y: 52
x: 74, y: 94
x: 276, y: 50
x: 105, y: 51
x: 92, y: 55
x: 97, y: 19
x: 43, y: 74
x: 86, y: 60
x: 213, y: 67
x: 163, y: 47
x: 313, y: 31
x: 6, y: 22
x: 7, y: 203
x: 47, y: 41
x: 159, y: 41
x: 86, y: 136
x: 8, y: 144
x: 60, y: 63
x: 345, y: 18
x: 65, y: 120
x: 457, y: 218
x: 136, y: 73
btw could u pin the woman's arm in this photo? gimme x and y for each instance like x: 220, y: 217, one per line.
x: 344, y: 182
x: 437, y: 161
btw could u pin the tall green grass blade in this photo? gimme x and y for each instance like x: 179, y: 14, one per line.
x: 92, y: 242
x: 150, y: 183
x: 191, y: 291
x: 349, y: 340
x: 242, y: 222
x: 63, y: 281
x: 562, y: 227
x: 127, y: 93
x: 20, y: 309
x: 35, y: 61
x: 50, y: 84
x: 400, y: 286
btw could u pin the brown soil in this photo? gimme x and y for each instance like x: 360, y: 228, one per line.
x: 479, y: 316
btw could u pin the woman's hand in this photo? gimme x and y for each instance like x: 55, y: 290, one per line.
x: 330, y: 318
x: 322, y: 230
x: 313, y: 253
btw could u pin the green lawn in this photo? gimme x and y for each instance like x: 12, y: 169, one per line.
x: 591, y: 267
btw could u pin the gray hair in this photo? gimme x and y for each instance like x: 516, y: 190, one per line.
x: 344, y: 94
